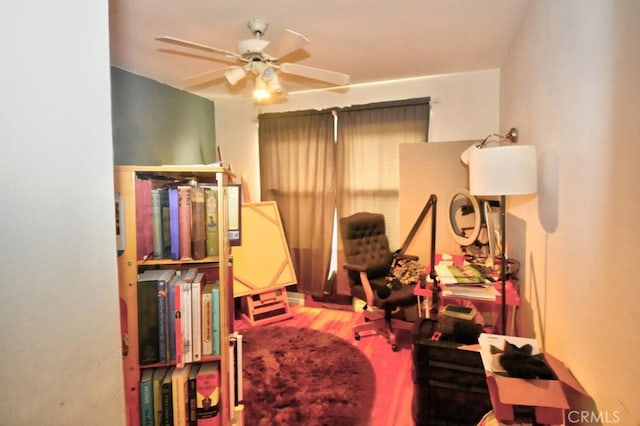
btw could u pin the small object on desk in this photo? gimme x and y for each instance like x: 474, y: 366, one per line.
x: 461, y: 312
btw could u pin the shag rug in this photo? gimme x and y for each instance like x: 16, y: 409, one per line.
x: 299, y: 376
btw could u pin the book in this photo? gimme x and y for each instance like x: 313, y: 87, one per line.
x: 156, y: 380
x: 167, y: 398
x: 196, y: 317
x: 185, y: 310
x: 148, y: 323
x: 191, y: 395
x: 178, y: 324
x: 163, y: 318
x: 166, y: 223
x: 450, y: 274
x: 162, y: 277
x: 173, y: 294
x: 179, y: 391
x: 198, y: 220
x: 146, y: 398
x: 207, y: 325
x: 184, y: 219
x: 215, y: 318
x: 174, y: 223
x: 211, y: 212
x: 234, y: 216
x: 208, y: 394
x: 144, y: 230
x: 156, y: 221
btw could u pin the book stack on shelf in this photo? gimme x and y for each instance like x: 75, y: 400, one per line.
x: 178, y: 317
x: 175, y: 220
x: 181, y: 396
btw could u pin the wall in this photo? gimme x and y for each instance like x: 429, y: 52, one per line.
x: 571, y: 85
x: 156, y: 124
x: 465, y: 107
x: 60, y: 335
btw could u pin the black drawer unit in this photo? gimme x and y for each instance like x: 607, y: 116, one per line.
x: 450, y: 385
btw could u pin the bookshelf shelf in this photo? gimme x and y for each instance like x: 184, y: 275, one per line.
x: 206, y: 358
x: 131, y: 264
x: 169, y: 262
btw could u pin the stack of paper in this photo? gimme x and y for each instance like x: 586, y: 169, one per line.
x: 478, y: 292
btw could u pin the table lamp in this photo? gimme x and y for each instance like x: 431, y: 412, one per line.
x: 501, y: 171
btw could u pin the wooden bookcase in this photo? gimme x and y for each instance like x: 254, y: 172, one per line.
x: 129, y: 267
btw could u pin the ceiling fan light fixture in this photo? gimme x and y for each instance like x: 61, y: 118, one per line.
x: 268, y: 74
x: 235, y: 74
x: 274, y: 84
x: 261, y: 91
x: 263, y: 69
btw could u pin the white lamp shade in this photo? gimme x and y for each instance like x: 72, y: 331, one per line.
x: 503, y: 170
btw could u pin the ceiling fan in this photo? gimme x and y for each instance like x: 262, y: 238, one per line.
x: 259, y: 58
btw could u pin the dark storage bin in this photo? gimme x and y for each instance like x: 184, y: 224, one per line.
x: 450, y: 387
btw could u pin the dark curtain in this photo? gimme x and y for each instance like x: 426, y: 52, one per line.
x: 297, y: 170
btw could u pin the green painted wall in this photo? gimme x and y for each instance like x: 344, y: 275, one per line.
x: 155, y: 124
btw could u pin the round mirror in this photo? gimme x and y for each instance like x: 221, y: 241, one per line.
x: 464, y: 217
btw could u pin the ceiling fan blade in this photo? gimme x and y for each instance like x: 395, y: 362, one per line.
x: 185, y: 43
x: 288, y: 42
x: 194, y: 55
x: 206, y: 76
x: 337, y: 78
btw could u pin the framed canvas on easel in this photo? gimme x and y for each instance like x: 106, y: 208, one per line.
x: 262, y: 266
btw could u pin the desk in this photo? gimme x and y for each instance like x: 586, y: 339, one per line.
x: 512, y: 299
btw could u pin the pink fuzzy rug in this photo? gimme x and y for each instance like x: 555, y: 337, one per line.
x: 297, y: 376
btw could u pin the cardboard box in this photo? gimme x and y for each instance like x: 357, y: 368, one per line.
x: 547, y: 398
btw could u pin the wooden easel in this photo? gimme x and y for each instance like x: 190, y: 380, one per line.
x: 266, y: 307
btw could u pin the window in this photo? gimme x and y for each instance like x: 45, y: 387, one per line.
x: 311, y: 174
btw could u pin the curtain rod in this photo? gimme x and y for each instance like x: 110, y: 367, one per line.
x: 363, y: 107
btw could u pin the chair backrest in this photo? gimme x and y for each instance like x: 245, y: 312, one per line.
x: 365, y: 243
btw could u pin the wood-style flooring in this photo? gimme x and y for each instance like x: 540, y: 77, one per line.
x: 394, y: 385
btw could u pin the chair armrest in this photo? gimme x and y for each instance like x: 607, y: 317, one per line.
x: 409, y: 257
x: 368, y: 290
x: 364, y: 279
x: 354, y: 267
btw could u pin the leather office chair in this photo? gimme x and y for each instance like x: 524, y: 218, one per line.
x: 368, y: 262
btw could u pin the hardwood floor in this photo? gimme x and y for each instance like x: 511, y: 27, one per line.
x: 394, y: 385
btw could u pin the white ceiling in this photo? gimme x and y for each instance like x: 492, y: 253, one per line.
x: 371, y: 40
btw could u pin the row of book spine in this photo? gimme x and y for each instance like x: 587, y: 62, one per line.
x: 178, y: 222
x: 178, y: 317
x: 188, y: 396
